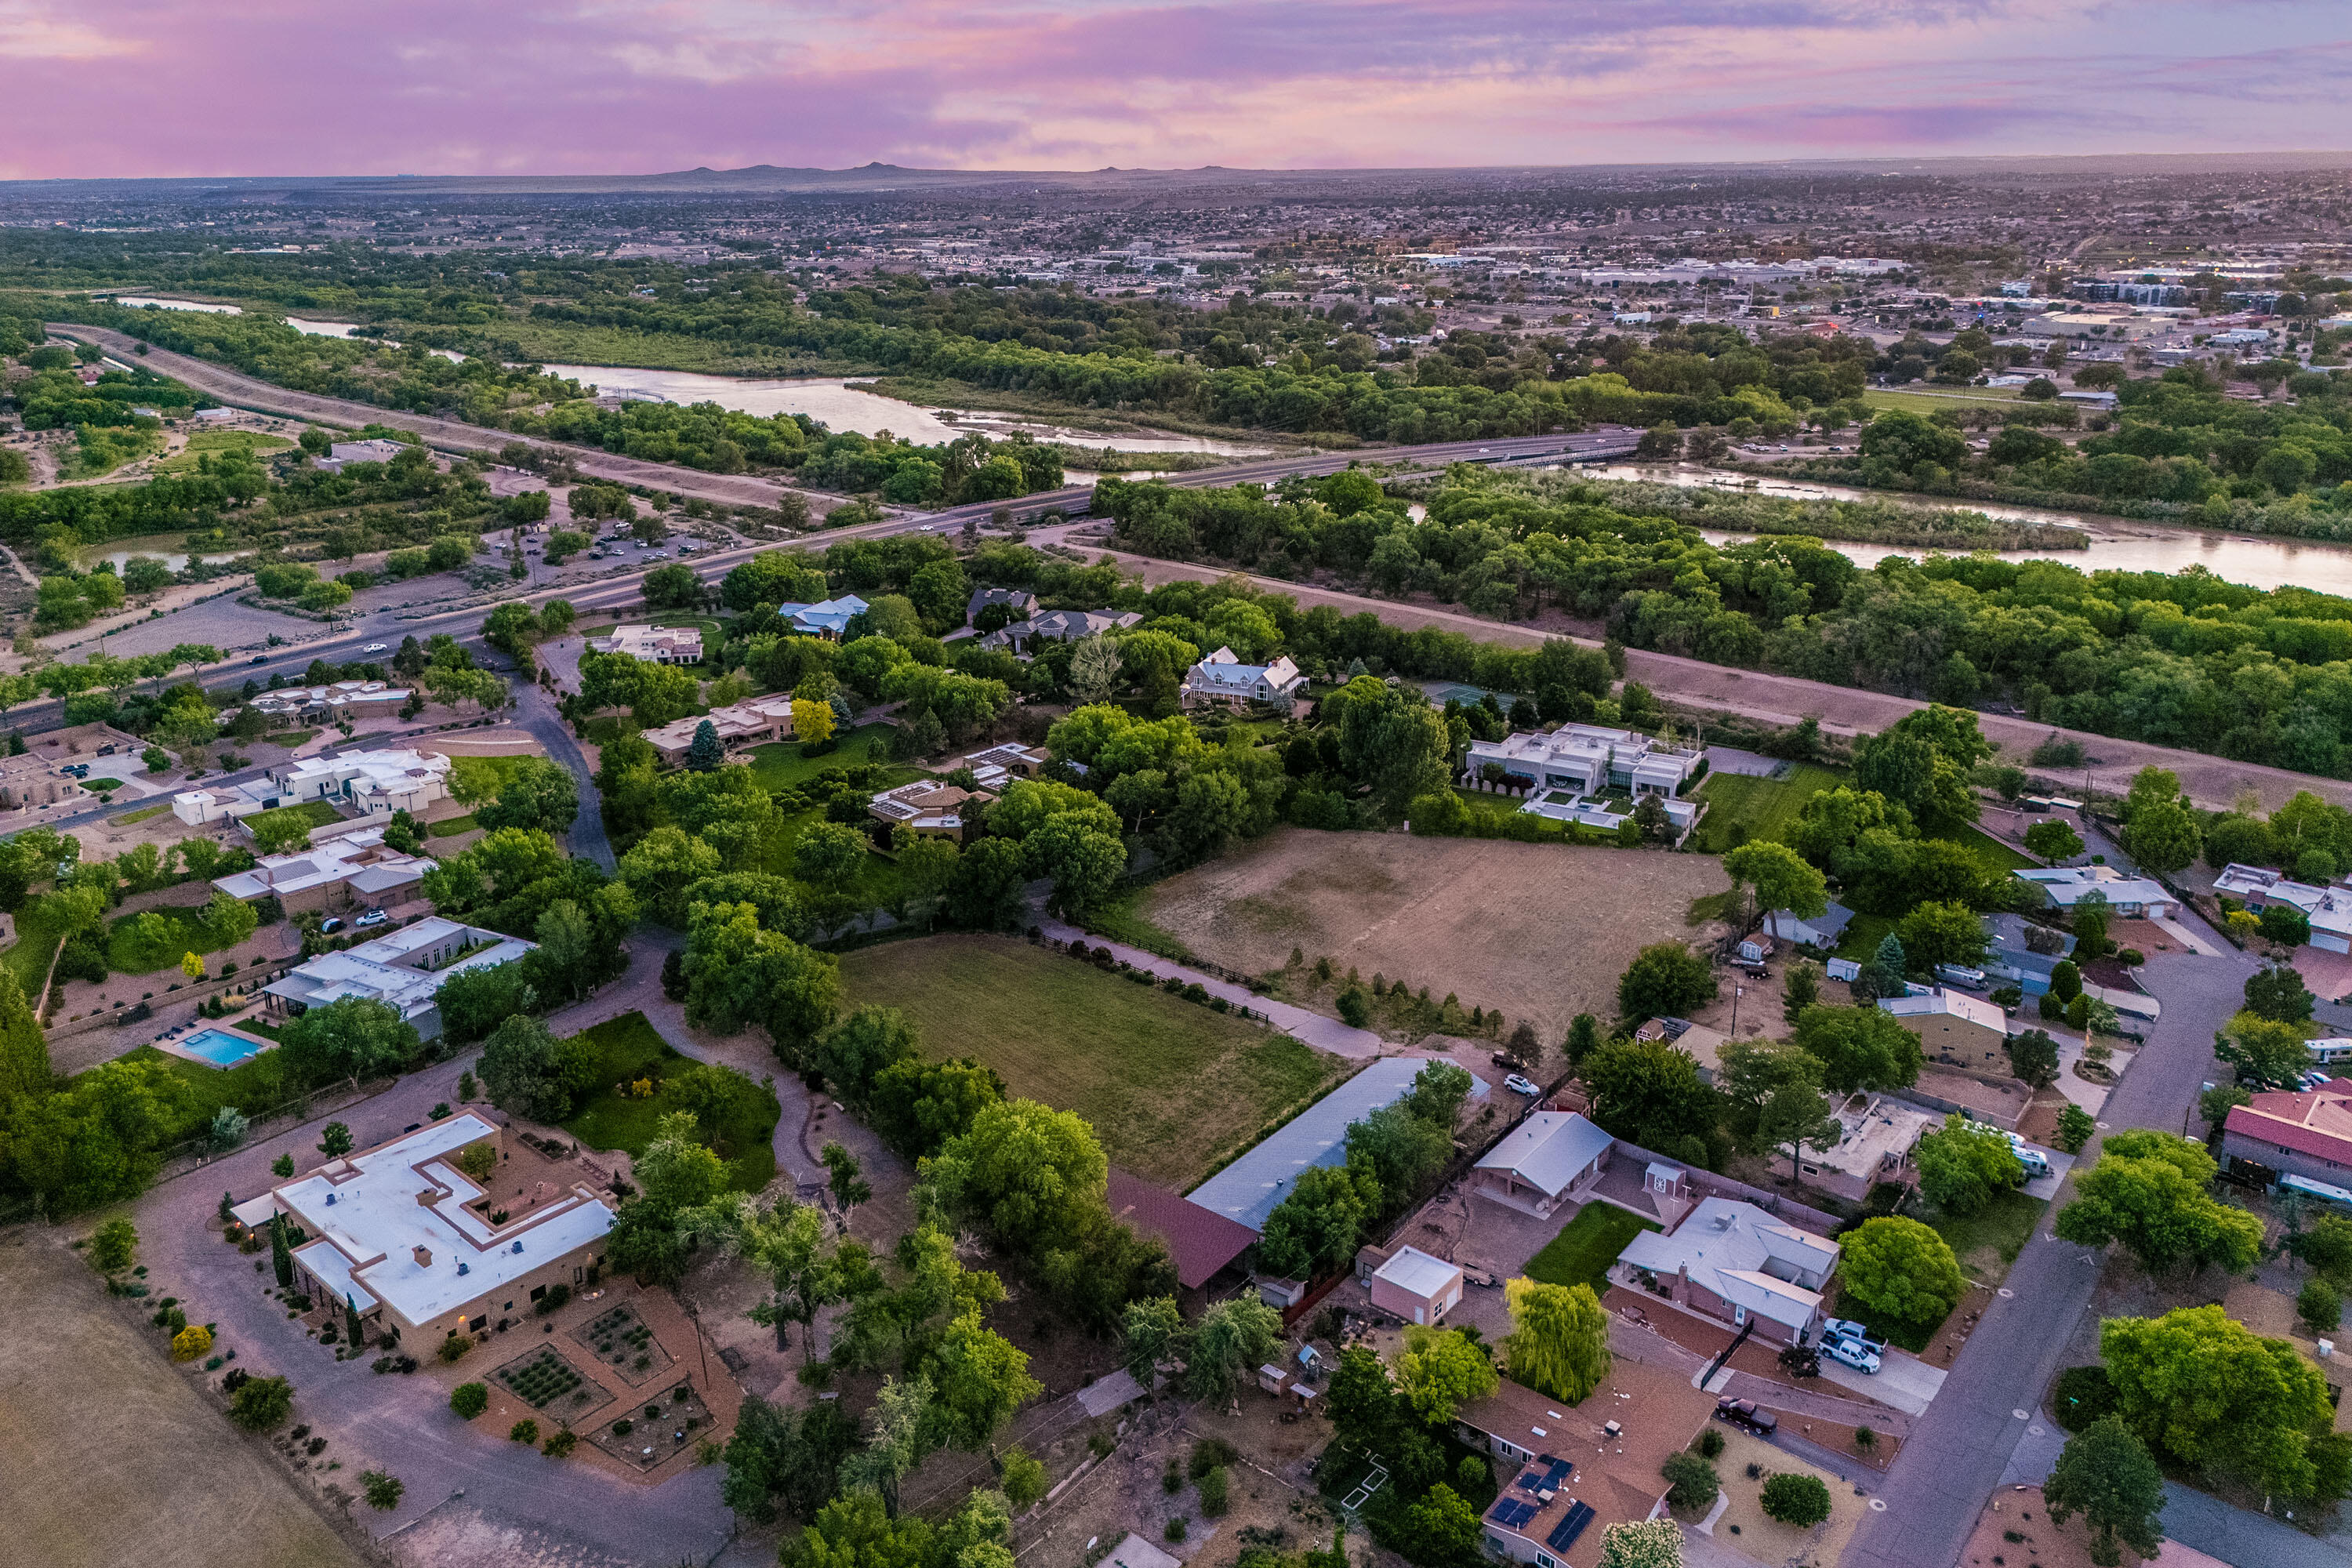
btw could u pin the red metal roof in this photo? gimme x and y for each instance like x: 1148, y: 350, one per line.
x: 2318, y: 1123
x: 1199, y: 1241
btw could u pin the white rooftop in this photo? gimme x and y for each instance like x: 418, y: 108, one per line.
x: 391, y: 970
x: 1412, y: 1270
x: 359, y: 858
x: 1944, y: 1001
x: 372, y: 1210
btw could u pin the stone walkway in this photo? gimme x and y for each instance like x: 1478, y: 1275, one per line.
x: 1324, y: 1034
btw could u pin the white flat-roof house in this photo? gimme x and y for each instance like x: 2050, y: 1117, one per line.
x: 2329, y: 910
x: 407, y: 1238
x: 376, y: 783
x: 1732, y: 1262
x: 354, y: 867
x: 402, y: 969
x: 1589, y: 760
x: 332, y: 703
x: 653, y: 644
x: 1223, y: 678
x: 1416, y: 1286
x: 2063, y: 887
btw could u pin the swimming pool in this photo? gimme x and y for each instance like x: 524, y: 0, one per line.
x: 218, y: 1046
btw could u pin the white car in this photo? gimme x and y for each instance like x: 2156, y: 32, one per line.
x: 1851, y: 1353
x: 376, y: 647
x: 1519, y: 1085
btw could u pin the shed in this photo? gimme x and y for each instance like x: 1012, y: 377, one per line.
x: 1416, y: 1286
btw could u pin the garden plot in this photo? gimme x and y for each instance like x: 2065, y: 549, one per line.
x: 625, y: 1346
x: 644, y: 1435
x: 1540, y: 932
x: 552, y: 1386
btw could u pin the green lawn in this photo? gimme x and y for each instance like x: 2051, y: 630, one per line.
x: 1585, y: 1247
x: 144, y: 814
x: 1988, y: 1243
x: 780, y: 765
x: 629, y: 1049
x: 453, y: 826
x: 203, y: 441
x: 290, y: 738
x: 1911, y: 1337
x: 1173, y: 1090
x: 477, y: 779
x: 322, y: 813
x: 1765, y: 805
x: 1998, y: 858
x: 878, y: 883
x: 185, y: 932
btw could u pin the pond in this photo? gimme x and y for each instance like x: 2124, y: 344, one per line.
x: 140, y: 301
x: 171, y: 549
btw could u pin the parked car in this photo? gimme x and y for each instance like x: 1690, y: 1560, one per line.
x: 1519, y: 1085
x: 1509, y: 1062
x: 258, y: 659
x: 1852, y: 1352
x: 1480, y: 1278
x: 1745, y: 1413
x: 372, y: 917
x: 376, y: 647
x: 331, y: 925
x: 1853, y: 1333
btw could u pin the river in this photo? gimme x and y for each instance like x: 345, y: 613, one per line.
x: 2125, y: 544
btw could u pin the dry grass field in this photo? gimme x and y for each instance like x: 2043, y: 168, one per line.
x: 112, y: 1456
x: 1539, y: 931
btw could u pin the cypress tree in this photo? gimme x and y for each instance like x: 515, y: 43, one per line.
x: 358, y: 1334
x: 24, y: 1050
x: 281, y: 1256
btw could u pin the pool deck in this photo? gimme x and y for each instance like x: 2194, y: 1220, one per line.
x: 177, y: 1044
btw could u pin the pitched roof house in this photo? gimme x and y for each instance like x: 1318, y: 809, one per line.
x: 1552, y: 1155
x: 1735, y: 1262
x: 1223, y: 678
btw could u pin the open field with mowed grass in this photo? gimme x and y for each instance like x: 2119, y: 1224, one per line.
x: 112, y: 1456
x: 1764, y: 806
x: 1540, y: 932
x: 1173, y: 1088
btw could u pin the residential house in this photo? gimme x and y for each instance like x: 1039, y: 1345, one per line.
x: 1736, y: 1263
x: 197, y: 808
x: 1824, y: 931
x: 753, y: 722
x: 998, y: 766
x: 402, y: 969
x: 415, y: 1247
x: 2329, y: 910
x: 354, y: 869
x: 1248, y: 1189
x: 652, y: 645
x: 1551, y: 1157
x: 1696, y: 1041
x: 1018, y: 603
x: 1589, y: 759
x: 1222, y: 678
x: 1059, y: 626
x: 1953, y: 1026
x: 2021, y: 953
x: 331, y: 704
x: 933, y: 808
x: 1876, y: 1136
x: 827, y: 618
x: 2063, y: 887
x: 1201, y: 1244
x: 375, y: 783
x: 1415, y: 1287
x: 2305, y: 1134
x: 1570, y: 1471
x: 30, y: 779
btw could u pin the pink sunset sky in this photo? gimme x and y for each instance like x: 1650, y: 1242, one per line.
x: 121, y: 88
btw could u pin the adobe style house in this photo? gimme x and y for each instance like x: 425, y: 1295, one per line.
x: 653, y: 644
x: 754, y: 722
x: 1737, y: 1264
x: 933, y: 809
x: 1570, y: 1471
x: 1551, y: 1157
x: 1589, y: 759
x: 402, y: 969
x: 409, y: 1240
x: 2329, y: 910
x: 336, y: 874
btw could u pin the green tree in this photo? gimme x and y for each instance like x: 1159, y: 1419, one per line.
x: 2148, y: 1192
x: 1558, y: 1343
x: 1781, y: 877
x: 2212, y: 1396
x: 353, y: 1037
x: 1801, y: 987
x: 335, y: 1140
x: 261, y: 1404
x: 1389, y: 738
x: 2054, y: 840
x: 705, y: 752
x: 2266, y: 1054
x: 2278, y: 994
x: 1796, y: 1500
x: 469, y: 1400
x: 2320, y: 1305
x: 23, y: 1050
x: 660, y: 869
x: 2074, y: 1129
x: 737, y: 973
x: 2033, y: 1057
x: 1229, y: 1342
x: 1889, y: 965
x: 2106, y: 1474
x: 1859, y: 1048
x: 829, y: 856
x: 1443, y: 1528
x: 1441, y: 1369
x: 536, y: 794
x: 531, y: 1074
x: 112, y: 1245
x: 1691, y: 1481
x: 280, y: 832
x: 1649, y: 1094
x: 783, y: 1461
x: 1903, y: 1268
x: 1666, y: 979
x: 1937, y: 933
x: 1030, y: 1176
x: 1961, y: 1168
x: 474, y: 1002
x: 1319, y: 1222
x: 383, y: 1489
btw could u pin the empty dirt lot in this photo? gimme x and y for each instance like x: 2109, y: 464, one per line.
x: 1541, y: 932
x: 112, y: 1456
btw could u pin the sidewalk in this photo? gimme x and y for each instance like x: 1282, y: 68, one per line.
x: 1324, y: 1034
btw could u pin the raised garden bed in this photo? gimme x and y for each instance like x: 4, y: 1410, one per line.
x: 656, y: 1428
x: 619, y: 1338
x: 545, y: 1381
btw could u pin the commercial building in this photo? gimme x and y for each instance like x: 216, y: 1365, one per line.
x: 414, y: 1244
x: 1570, y: 1471
x: 2063, y: 887
x: 2306, y: 1133
x: 1222, y: 678
x: 402, y: 969
x: 1550, y: 1158
x: 1732, y: 1262
x: 755, y: 722
x: 1415, y: 1287
x: 1952, y: 1026
x: 354, y: 869
x: 1247, y: 1190
x: 653, y: 645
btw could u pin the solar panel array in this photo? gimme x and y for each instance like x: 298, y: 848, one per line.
x: 1556, y: 1472
x: 1513, y: 1515
x: 1563, y: 1534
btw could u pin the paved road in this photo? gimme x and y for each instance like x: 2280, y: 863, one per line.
x: 535, y: 711
x: 1324, y: 1034
x: 1954, y: 1459
x: 2241, y: 1538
